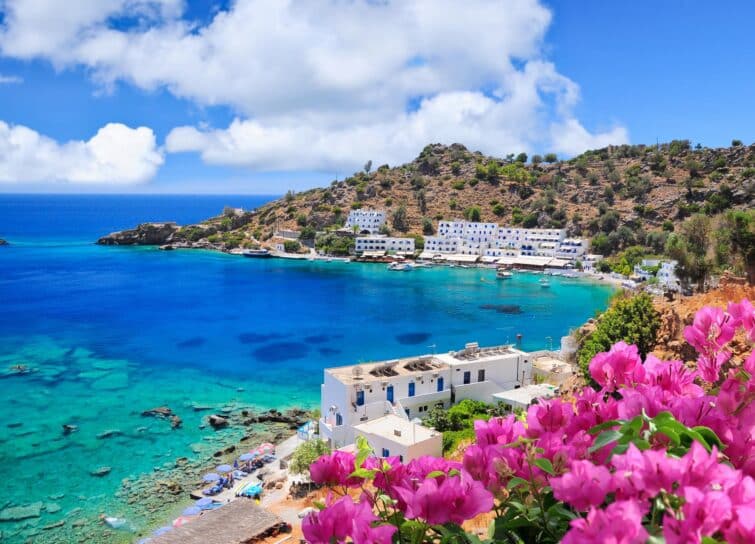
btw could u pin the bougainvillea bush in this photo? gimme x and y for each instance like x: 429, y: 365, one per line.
x: 660, y: 453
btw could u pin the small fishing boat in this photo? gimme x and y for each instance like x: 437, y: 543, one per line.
x: 257, y: 253
x: 503, y: 274
x: 400, y: 267
x: 544, y: 283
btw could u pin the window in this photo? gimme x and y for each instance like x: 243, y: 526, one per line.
x: 386, y: 453
x: 440, y: 384
x: 360, y: 398
x: 467, y: 377
x: 481, y: 375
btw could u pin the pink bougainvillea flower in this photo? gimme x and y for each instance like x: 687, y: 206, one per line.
x: 619, y: 523
x: 711, y: 329
x: 703, y: 514
x: 583, y: 486
x: 621, y: 365
x: 345, y: 519
x: 548, y: 416
x: 454, y: 499
x: 743, y: 315
x: 671, y: 376
x: 335, y: 469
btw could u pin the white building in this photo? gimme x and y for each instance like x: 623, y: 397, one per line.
x: 410, y: 388
x: 524, y: 396
x: 492, y: 240
x: 393, y: 435
x: 379, y: 243
x: 366, y: 221
x: 666, y: 273
x: 590, y: 262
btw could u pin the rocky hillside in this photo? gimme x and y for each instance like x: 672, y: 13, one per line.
x: 643, y: 188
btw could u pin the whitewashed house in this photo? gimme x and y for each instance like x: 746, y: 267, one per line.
x: 379, y: 243
x: 391, y: 435
x: 366, y: 221
x: 410, y: 388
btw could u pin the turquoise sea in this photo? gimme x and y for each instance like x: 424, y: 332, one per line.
x: 108, y: 332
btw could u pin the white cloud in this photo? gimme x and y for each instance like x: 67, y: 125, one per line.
x: 117, y: 154
x: 325, y: 83
x: 9, y: 80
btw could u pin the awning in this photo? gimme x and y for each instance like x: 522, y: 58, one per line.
x: 459, y: 258
x: 373, y: 253
x: 428, y: 255
x: 489, y: 259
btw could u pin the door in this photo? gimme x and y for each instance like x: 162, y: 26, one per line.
x: 339, y: 420
x: 360, y: 398
x: 467, y: 377
x: 411, y: 389
x: 440, y: 384
x: 389, y: 393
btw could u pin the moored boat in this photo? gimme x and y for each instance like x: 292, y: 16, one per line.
x: 544, y: 283
x: 257, y: 253
x: 400, y: 267
x: 503, y: 274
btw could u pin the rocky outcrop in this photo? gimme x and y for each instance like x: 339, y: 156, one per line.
x: 146, y: 234
x: 3, y: 242
x: 217, y: 421
x: 163, y: 412
x: 294, y: 418
x: 99, y: 472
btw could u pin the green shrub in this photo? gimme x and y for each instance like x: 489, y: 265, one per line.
x: 458, y: 184
x: 630, y: 319
x: 472, y: 214
x: 291, y: 246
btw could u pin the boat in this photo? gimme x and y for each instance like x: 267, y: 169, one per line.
x: 400, y: 267
x: 503, y: 274
x: 544, y: 283
x: 257, y: 253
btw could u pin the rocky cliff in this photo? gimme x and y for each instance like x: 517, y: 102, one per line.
x: 146, y: 234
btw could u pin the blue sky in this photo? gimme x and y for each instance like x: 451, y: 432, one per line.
x: 213, y: 97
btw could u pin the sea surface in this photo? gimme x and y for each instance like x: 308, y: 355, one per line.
x: 108, y: 332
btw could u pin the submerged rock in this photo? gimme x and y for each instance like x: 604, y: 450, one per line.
x: 68, y: 428
x: 100, y: 471
x: 3, y: 242
x: 18, y: 513
x: 217, y: 421
x: 109, y: 433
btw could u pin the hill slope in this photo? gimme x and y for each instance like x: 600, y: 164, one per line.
x: 644, y: 186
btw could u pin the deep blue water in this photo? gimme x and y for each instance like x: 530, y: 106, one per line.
x: 112, y: 331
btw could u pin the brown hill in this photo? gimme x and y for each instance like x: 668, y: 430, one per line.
x: 632, y: 194
x: 643, y: 185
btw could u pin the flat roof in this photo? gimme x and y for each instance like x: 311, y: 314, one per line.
x: 460, y: 257
x: 525, y: 395
x: 237, y: 522
x: 476, y: 353
x: 372, y: 372
x: 397, y: 429
x: 551, y: 364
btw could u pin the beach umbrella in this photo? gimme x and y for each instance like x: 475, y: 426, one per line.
x: 211, y: 477
x: 191, y: 511
x: 162, y: 530
x: 204, y: 502
x: 246, y: 456
x: 182, y: 520
x: 267, y: 447
x: 224, y: 468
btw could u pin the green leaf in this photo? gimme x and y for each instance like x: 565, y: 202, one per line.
x: 435, y: 474
x: 606, y: 437
x: 545, y: 465
x: 605, y: 425
x: 363, y: 451
x: 319, y: 505
x: 363, y: 473
x: 515, y: 482
x: 709, y: 435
